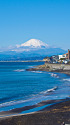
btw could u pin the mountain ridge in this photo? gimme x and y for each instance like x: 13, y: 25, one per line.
x: 33, y: 49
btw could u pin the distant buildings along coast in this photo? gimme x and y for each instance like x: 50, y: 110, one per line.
x: 64, y: 58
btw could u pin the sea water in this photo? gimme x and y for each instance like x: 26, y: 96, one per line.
x: 20, y: 88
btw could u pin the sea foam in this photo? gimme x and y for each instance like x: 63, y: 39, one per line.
x: 49, y: 90
x: 68, y: 79
x: 37, y: 71
x: 19, y: 70
x: 54, y: 75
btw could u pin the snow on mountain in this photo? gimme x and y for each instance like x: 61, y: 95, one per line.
x: 32, y: 49
x: 33, y: 43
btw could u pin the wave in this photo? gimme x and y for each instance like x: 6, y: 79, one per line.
x: 54, y: 75
x: 49, y: 90
x: 12, y: 103
x: 19, y: 70
x: 68, y: 79
x: 37, y: 71
x: 31, y: 66
x: 16, y: 102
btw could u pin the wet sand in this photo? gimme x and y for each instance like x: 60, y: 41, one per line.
x: 19, y: 110
x: 52, y: 115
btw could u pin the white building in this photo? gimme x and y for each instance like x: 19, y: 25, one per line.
x: 62, y: 56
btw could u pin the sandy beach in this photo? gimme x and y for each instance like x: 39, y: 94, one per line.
x: 52, y: 115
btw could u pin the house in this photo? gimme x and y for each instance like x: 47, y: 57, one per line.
x: 62, y: 56
x: 52, y: 59
x: 65, y: 56
x: 55, y: 58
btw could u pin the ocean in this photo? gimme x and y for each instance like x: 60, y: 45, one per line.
x: 20, y: 88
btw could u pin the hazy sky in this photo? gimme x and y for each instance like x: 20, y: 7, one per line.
x: 47, y: 20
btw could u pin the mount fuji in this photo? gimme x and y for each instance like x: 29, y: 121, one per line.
x: 32, y: 49
x: 33, y: 43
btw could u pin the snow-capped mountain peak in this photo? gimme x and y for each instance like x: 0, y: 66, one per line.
x: 33, y: 43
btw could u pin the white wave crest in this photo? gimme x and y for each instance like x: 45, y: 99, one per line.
x: 30, y: 66
x: 66, y: 79
x: 19, y: 70
x: 54, y: 75
x: 49, y: 90
x: 13, y: 103
x: 37, y: 71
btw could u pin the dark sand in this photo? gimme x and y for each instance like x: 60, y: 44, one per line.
x: 19, y: 110
x: 52, y: 115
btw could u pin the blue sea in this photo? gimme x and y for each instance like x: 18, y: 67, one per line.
x: 20, y: 88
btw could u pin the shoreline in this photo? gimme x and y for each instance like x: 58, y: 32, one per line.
x: 25, y: 61
x: 54, y: 114
x: 57, y: 113
x: 59, y: 68
x: 18, y: 111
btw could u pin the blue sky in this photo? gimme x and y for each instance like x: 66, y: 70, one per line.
x: 47, y: 20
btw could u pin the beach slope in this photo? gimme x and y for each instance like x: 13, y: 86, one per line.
x: 53, y: 115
